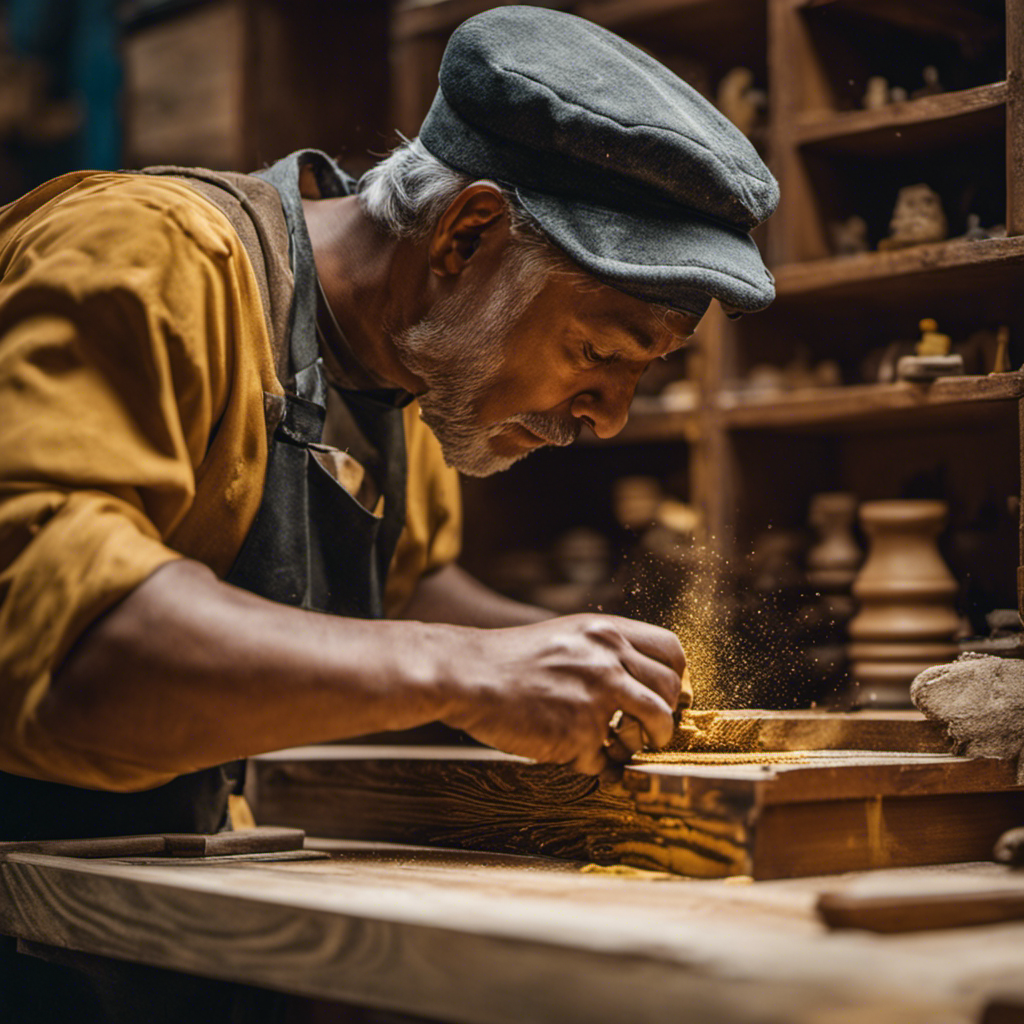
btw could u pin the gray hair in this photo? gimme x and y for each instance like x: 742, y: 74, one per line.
x: 407, y: 192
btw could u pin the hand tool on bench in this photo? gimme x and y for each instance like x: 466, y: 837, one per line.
x: 945, y: 906
x: 262, y: 843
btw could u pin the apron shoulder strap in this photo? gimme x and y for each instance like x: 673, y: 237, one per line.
x: 253, y: 208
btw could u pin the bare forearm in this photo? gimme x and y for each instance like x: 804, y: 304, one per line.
x: 188, y: 671
x: 452, y: 595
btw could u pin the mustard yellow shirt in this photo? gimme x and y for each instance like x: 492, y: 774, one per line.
x: 133, y: 361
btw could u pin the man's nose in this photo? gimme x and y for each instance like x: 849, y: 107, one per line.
x: 606, y: 409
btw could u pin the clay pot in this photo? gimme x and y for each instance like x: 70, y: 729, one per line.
x: 907, y: 620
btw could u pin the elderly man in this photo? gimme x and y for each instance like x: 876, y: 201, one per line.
x: 208, y: 433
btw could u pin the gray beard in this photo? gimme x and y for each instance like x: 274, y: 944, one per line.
x: 458, y: 350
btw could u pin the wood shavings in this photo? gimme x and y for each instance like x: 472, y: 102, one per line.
x: 625, y: 871
x: 709, y: 731
x: 725, y: 757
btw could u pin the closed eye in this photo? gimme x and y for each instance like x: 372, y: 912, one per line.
x: 598, y: 359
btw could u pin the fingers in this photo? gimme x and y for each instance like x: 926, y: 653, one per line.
x: 652, y: 712
x: 685, y: 691
x: 648, y: 689
x: 657, y: 643
x: 653, y: 674
x: 594, y: 762
x: 625, y: 740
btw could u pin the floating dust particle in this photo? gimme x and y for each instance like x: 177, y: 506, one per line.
x: 625, y: 871
x: 741, y: 643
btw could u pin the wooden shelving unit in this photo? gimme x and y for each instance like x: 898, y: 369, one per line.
x: 751, y: 462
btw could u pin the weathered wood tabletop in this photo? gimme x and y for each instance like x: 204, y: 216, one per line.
x: 496, y: 939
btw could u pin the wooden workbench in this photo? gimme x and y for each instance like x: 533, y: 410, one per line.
x: 495, y: 939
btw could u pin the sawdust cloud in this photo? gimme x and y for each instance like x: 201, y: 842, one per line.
x: 746, y: 647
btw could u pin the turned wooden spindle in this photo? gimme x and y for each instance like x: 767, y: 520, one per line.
x: 906, y: 620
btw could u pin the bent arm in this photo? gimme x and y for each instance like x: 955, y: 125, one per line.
x: 452, y: 595
x: 188, y: 671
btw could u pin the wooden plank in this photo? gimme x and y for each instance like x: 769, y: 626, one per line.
x: 487, y: 942
x: 491, y: 802
x: 898, y: 912
x: 867, y: 403
x: 865, y: 269
x: 263, y: 839
x: 1015, y: 117
x: 797, y: 840
x: 798, y: 84
x: 774, y: 820
x: 873, y: 131
x: 835, y: 775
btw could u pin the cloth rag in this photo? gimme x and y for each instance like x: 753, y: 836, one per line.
x: 980, y: 698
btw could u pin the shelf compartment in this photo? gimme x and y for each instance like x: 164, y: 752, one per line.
x: 877, y: 406
x: 913, y: 125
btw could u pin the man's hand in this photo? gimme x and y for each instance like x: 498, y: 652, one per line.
x: 548, y: 691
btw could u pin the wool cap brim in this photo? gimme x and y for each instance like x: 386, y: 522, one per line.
x: 681, y: 262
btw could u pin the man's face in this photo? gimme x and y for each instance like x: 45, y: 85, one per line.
x: 509, y: 368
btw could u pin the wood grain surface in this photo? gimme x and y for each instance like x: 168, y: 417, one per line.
x: 486, y: 939
x: 838, y: 811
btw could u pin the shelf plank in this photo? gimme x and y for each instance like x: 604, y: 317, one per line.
x: 972, y: 111
x: 816, y: 278
x: 870, y: 405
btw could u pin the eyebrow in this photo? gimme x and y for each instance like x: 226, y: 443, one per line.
x: 640, y: 334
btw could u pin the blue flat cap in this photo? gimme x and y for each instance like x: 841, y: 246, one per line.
x: 626, y: 168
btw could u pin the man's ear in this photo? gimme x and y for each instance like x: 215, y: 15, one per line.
x: 476, y: 220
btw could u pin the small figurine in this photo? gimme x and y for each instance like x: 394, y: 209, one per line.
x: 876, y: 95
x: 740, y: 101
x: 932, y: 343
x: 635, y: 501
x: 897, y: 94
x: 1001, y: 362
x: 931, y: 86
x: 975, y: 232
x: 849, y: 236
x: 933, y: 358
x: 917, y: 218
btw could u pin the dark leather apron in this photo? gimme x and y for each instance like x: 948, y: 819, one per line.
x: 311, y: 545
